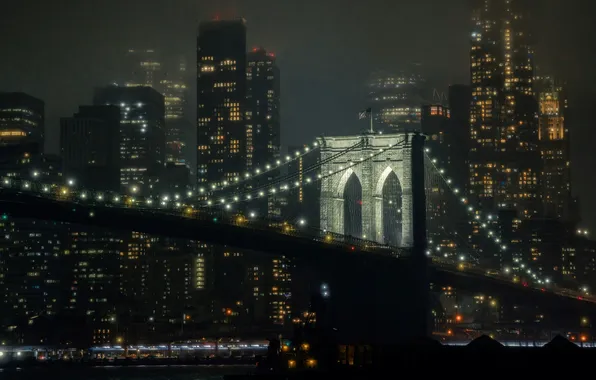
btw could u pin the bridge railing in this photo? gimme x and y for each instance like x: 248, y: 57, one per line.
x: 203, y: 213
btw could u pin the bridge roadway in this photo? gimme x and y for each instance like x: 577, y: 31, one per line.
x: 244, y: 235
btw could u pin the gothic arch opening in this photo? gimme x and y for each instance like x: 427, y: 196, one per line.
x: 352, y: 196
x: 392, y: 210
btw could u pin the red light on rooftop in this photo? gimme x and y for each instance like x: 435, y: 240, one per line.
x: 353, y: 248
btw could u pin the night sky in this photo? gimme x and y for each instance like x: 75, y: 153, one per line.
x: 59, y: 50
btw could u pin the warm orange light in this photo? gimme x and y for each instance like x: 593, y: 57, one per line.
x: 228, y: 311
x: 449, y: 332
x: 458, y: 318
x: 583, y: 338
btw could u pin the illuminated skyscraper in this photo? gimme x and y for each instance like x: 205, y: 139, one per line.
x: 553, y: 134
x: 263, y: 120
x: 141, y: 134
x: 21, y: 123
x: 221, y: 96
x: 396, y: 100
x: 144, y: 68
x: 504, y: 155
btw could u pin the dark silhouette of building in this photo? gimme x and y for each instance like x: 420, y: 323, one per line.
x: 22, y: 118
x: 90, y: 147
x: 460, y: 99
x: 263, y: 123
x: 221, y: 96
x: 142, y: 137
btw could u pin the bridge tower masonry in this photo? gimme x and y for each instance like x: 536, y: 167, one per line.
x: 386, y: 303
x: 391, y: 153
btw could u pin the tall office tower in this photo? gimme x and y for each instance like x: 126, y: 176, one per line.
x: 263, y: 108
x: 460, y: 99
x: 90, y: 147
x: 263, y: 138
x: 436, y: 126
x: 504, y: 155
x: 554, y: 142
x: 144, y: 68
x: 142, y: 143
x: 221, y: 96
x: 21, y: 124
x: 396, y: 100
x: 177, y: 126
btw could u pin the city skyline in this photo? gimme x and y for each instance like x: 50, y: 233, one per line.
x: 110, y: 242
x: 339, y: 83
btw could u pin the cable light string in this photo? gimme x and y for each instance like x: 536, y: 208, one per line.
x: 314, y: 167
x: 116, y: 198
x: 483, y: 224
x: 268, y: 168
x: 85, y: 195
x: 246, y: 197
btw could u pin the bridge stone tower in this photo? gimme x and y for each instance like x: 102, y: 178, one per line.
x: 385, y: 154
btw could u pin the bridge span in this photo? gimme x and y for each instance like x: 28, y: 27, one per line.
x: 313, y: 247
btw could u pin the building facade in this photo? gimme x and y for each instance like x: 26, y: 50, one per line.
x: 22, y: 119
x: 396, y: 100
x: 90, y: 147
x: 554, y: 142
x: 504, y: 155
x: 263, y: 137
x: 221, y: 96
x: 142, y: 137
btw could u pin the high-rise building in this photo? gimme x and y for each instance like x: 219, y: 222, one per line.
x: 144, y: 68
x: 142, y: 142
x: 221, y: 96
x: 177, y: 125
x: 554, y: 142
x: 22, y: 119
x: 263, y: 121
x: 504, y: 155
x: 435, y: 124
x: 396, y: 100
x: 460, y: 100
x: 263, y: 108
x: 90, y: 147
